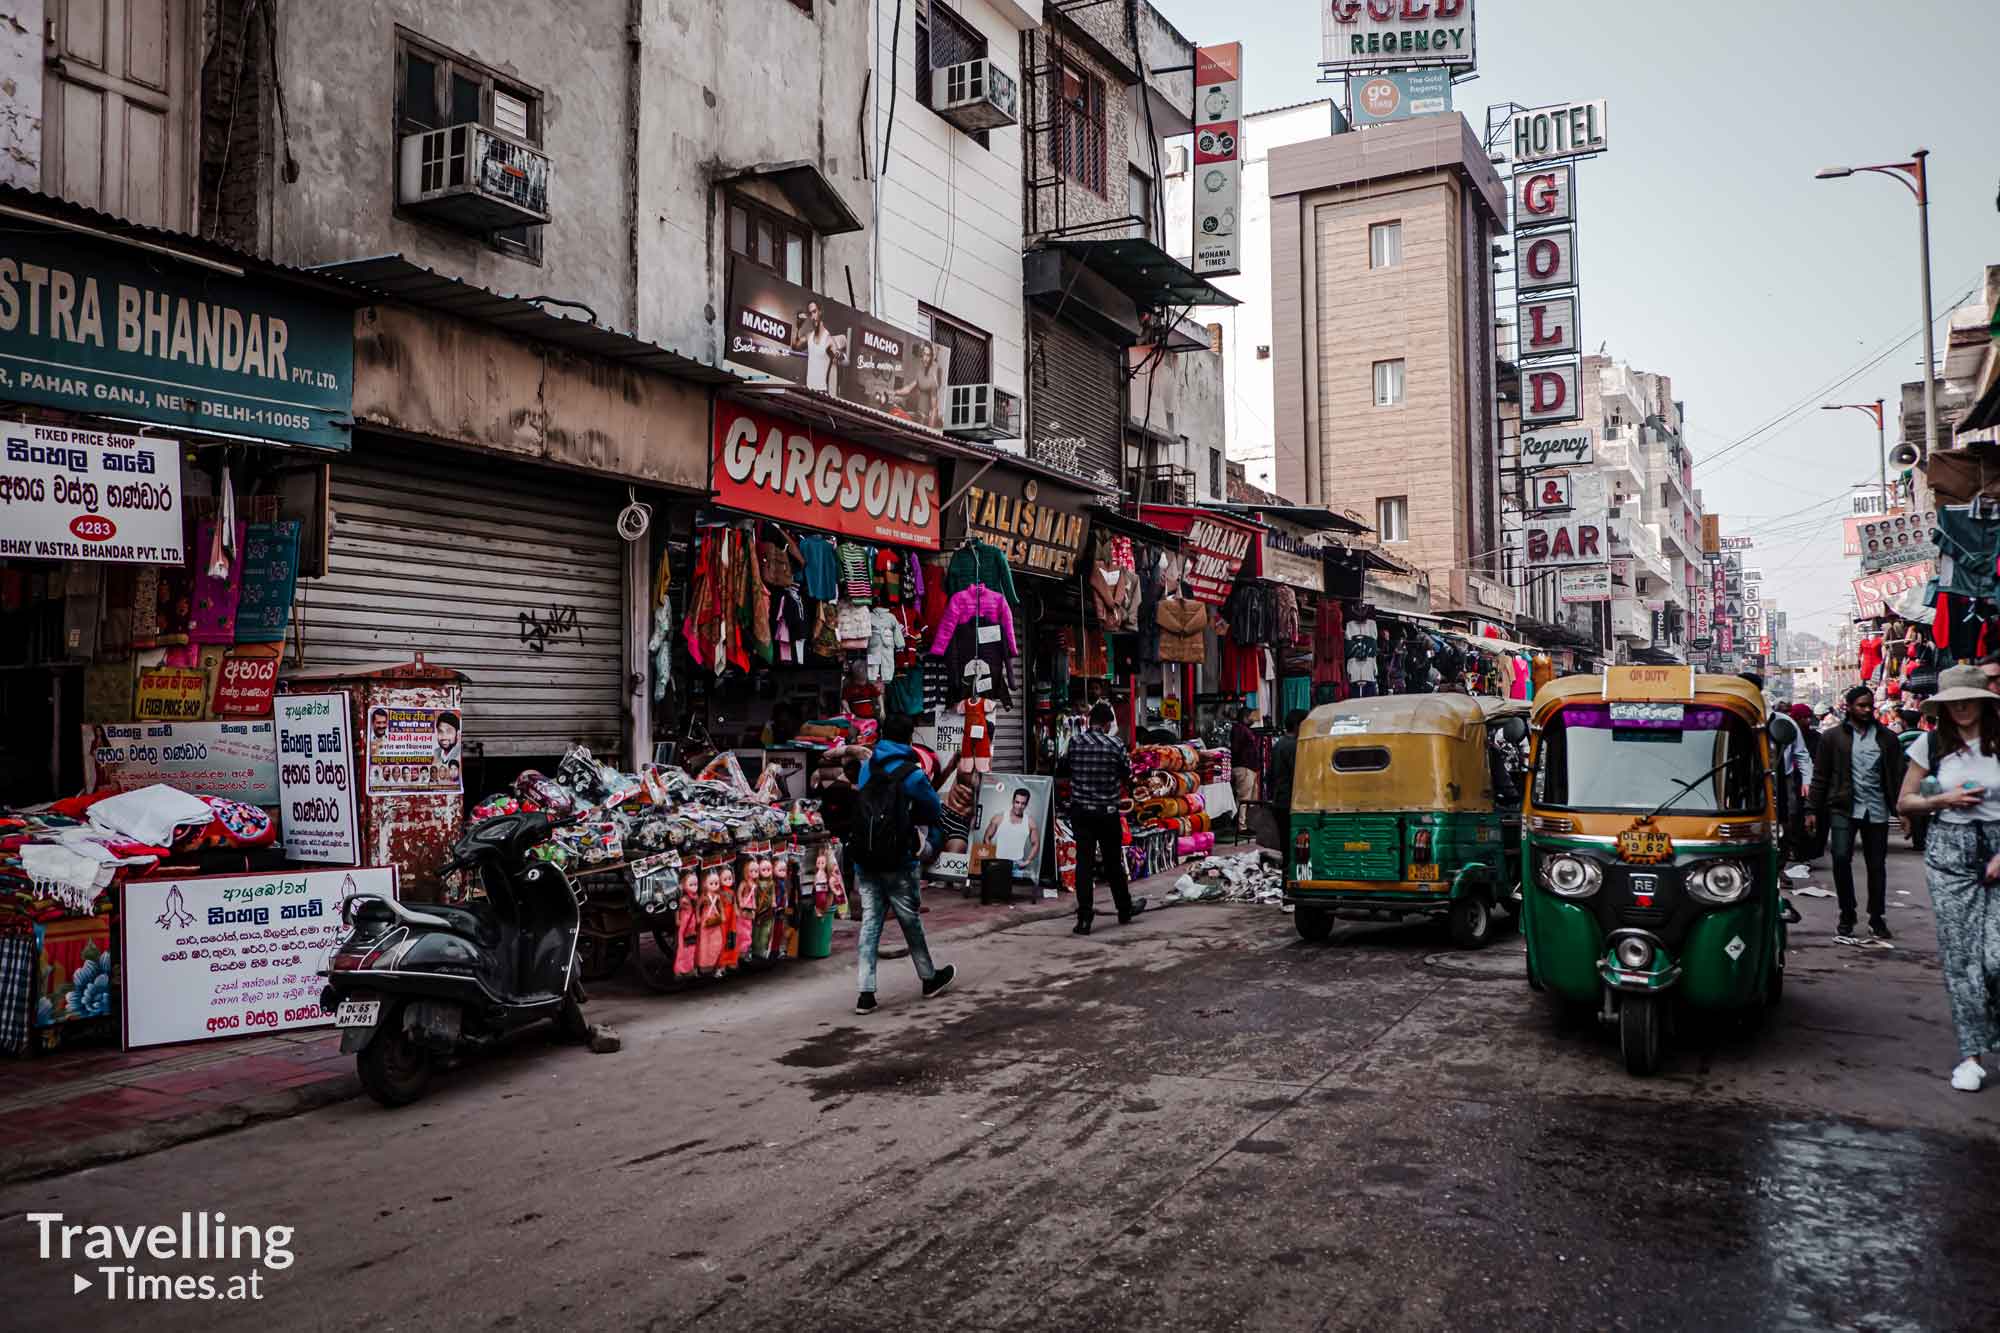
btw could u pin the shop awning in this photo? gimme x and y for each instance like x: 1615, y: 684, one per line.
x: 1306, y: 516
x: 807, y: 189
x: 897, y: 435
x: 1144, y: 272
x: 394, y: 278
x: 1115, y: 520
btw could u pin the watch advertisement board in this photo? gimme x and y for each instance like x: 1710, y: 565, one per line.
x: 1218, y: 159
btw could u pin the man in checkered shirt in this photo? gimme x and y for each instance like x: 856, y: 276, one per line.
x: 1099, y: 774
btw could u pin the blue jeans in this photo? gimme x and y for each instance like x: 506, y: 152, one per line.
x: 899, y: 888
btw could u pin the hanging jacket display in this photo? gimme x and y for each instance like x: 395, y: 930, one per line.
x: 1968, y: 550
x: 980, y: 606
x: 976, y: 663
x: 1151, y: 591
x: 822, y: 568
x: 1114, y: 595
x: 1363, y: 650
x: 981, y: 564
x: 1329, y: 645
x: 1182, y: 622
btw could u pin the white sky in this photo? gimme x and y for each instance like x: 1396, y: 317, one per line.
x: 1707, y: 251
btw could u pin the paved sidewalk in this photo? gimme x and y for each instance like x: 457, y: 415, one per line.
x: 81, y: 1108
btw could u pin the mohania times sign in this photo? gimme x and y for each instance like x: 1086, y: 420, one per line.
x: 1397, y: 34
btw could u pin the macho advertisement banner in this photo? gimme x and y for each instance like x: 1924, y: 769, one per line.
x: 785, y: 331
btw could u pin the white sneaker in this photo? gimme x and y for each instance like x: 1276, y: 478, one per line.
x: 1970, y: 1076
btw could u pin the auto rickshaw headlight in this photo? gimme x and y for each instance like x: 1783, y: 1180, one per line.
x: 1634, y: 954
x: 1569, y: 876
x: 1719, y: 882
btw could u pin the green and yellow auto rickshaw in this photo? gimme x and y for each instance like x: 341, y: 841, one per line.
x: 1652, y: 866
x: 1404, y: 805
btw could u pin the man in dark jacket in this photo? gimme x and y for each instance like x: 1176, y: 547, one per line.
x: 1854, y: 793
x: 897, y: 891
x: 1284, y: 761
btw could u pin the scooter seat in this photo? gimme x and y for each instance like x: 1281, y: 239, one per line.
x: 477, y: 926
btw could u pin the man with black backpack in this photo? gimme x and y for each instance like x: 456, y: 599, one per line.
x: 895, y: 798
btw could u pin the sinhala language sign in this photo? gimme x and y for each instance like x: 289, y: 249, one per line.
x: 94, y: 328
x: 234, y: 759
x: 69, y: 494
x: 233, y: 955
x: 316, y: 778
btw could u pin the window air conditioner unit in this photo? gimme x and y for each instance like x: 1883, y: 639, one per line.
x: 1176, y: 160
x: 975, y: 96
x: 471, y: 178
x: 983, y: 412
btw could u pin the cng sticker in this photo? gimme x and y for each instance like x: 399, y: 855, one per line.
x: 1735, y: 947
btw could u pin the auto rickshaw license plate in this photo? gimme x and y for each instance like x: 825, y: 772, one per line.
x: 1644, y: 846
x: 1424, y: 873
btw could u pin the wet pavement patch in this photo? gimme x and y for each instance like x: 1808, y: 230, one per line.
x: 826, y: 1050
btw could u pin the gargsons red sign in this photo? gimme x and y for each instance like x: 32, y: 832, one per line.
x: 783, y: 471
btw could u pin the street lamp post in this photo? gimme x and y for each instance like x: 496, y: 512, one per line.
x: 1873, y: 409
x: 1914, y: 177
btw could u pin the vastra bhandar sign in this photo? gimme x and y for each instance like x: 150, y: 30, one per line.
x: 1397, y: 34
x: 92, y: 328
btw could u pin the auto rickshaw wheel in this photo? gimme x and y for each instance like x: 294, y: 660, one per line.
x: 1314, y: 924
x: 1639, y: 1019
x: 1471, y: 921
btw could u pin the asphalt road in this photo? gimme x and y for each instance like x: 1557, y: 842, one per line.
x: 1193, y: 1122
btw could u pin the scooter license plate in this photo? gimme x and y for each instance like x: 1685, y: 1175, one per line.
x: 357, y: 1013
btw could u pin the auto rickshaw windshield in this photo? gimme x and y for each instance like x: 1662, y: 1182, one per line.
x: 1592, y: 759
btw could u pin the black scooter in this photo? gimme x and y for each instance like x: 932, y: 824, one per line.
x: 412, y: 986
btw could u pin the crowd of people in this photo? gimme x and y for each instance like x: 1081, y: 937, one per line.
x: 1851, y: 774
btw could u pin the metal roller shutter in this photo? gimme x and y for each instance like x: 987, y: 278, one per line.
x: 510, y: 575
x: 1076, y: 403
x: 1010, y: 727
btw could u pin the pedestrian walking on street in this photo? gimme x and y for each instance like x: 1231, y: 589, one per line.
x: 1100, y: 773
x: 1795, y: 772
x: 1859, y: 775
x: 1284, y: 762
x: 895, y: 798
x: 1246, y: 757
x: 1962, y: 855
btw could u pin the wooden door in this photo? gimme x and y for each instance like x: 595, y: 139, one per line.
x: 117, y: 107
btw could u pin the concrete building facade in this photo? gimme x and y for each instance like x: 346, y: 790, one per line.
x: 1384, y: 394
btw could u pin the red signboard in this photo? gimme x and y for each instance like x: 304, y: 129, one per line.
x: 1216, y: 547
x: 781, y: 470
x: 1872, y: 593
x: 243, y: 686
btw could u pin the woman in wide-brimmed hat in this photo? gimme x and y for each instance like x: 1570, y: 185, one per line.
x: 1962, y: 854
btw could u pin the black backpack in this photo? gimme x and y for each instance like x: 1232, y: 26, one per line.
x: 884, y: 838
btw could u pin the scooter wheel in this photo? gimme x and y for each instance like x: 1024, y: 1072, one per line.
x: 394, y: 1070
